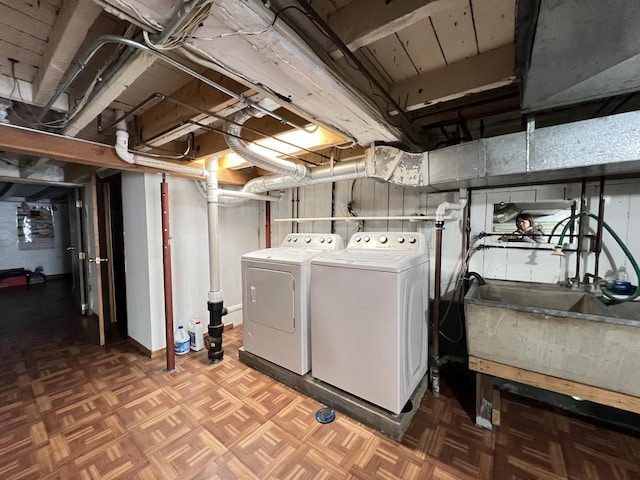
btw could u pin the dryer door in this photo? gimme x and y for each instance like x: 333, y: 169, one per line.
x: 270, y: 298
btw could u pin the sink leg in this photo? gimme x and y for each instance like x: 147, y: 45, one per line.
x: 484, y: 401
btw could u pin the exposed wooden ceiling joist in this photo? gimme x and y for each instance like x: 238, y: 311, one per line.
x: 72, y: 23
x: 168, y: 114
x: 134, y: 67
x: 39, y: 144
x: 377, y: 20
x: 482, y: 72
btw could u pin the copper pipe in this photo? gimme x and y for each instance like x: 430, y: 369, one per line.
x: 166, y: 264
x: 267, y: 226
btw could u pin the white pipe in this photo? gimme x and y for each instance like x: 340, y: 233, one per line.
x: 122, y: 150
x: 234, y: 308
x: 250, y: 196
x: 445, y: 206
x: 215, y: 294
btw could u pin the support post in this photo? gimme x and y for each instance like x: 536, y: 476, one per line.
x: 166, y: 266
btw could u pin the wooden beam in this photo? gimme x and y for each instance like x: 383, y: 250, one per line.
x: 555, y: 384
x: 214, y: 143
x: 68, y: 34
x: 41, y: 144
x: 111, y: 89
x: 378, y: 19
x: 486, y: 71
x: 167, y: 115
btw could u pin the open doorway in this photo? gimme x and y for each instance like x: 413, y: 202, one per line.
x: 109, y: 259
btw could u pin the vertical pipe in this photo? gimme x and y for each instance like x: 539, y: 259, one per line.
x: 435, y: 341
x: 581, y: 228
x: 598, y: 248
x: 166, y: 264
x: 214, y: 303
x: 267, y: 226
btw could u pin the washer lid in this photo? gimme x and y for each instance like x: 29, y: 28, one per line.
x: 382, y: 261
x: 296, y: 256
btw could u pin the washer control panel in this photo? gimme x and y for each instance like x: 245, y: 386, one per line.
x: 319, y: 241
x: 405, y: 241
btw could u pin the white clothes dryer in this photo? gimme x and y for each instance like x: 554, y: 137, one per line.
x: 369, y: 317
x: 275, y: 299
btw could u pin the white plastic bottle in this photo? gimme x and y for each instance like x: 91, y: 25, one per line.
x: 181, y: 341
x: 196, y: 334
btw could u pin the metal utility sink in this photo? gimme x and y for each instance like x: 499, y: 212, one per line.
x: 555, y: 331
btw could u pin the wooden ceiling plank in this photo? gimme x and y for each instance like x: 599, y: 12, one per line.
x: 454, y: 28
x: 377, y: 20
x: 67, y: 36
x: 40, y: 144
x: 167, y: 114
x: 420, y: 43
x: 495, y: 22
x: 45, y: 12
x: 393, y: 58
x: 476, y: 74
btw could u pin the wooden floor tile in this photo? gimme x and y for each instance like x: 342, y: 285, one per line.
x: 70, y: 409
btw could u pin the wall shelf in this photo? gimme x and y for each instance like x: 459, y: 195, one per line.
x: 410, y: 218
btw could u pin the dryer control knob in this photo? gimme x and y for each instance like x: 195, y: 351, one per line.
x: 321, y: 239
x: 295, y: 239
x: 329, y: 240
x: 358, y: 239
x: 382, y: 239
x: 412, y: 239
x: 307, y: 239
x: 288, y: 239
x: 366, y: 239
x: 400, y: 239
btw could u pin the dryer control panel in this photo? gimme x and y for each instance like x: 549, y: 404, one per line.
x: 403, y: 241
x: 316, y: 241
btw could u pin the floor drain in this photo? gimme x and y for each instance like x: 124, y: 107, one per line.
x: 325, y: 415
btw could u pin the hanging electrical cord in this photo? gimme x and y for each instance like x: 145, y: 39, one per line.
x: 458, y: 293
x: 16, y: 87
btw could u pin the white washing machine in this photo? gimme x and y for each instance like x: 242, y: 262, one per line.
x: 275, y: 299
x: 369, y: 317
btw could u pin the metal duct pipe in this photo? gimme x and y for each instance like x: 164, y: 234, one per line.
x: 232, y: 131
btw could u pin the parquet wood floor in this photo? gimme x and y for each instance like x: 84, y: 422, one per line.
x: 70, y: 409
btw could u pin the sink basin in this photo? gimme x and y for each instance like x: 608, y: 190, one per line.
x: 555, y: 331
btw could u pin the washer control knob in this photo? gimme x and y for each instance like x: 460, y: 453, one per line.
x: 358, y: 239
x: 307, y: 239
x: 321, y: 239
x: 382, y: 239
x: 366, y: 239
x: 412, y: 239
x: 329, y: 240
x: 295, y: 239
x: 400, y: 239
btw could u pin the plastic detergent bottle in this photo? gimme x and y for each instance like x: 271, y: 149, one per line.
x: 196, y: 334
x: 181, y: 341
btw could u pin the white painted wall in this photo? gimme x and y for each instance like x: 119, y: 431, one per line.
x: 238, y: 234
x: 54, y: 261
x: 622, y: 198
x: 372, y: 198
